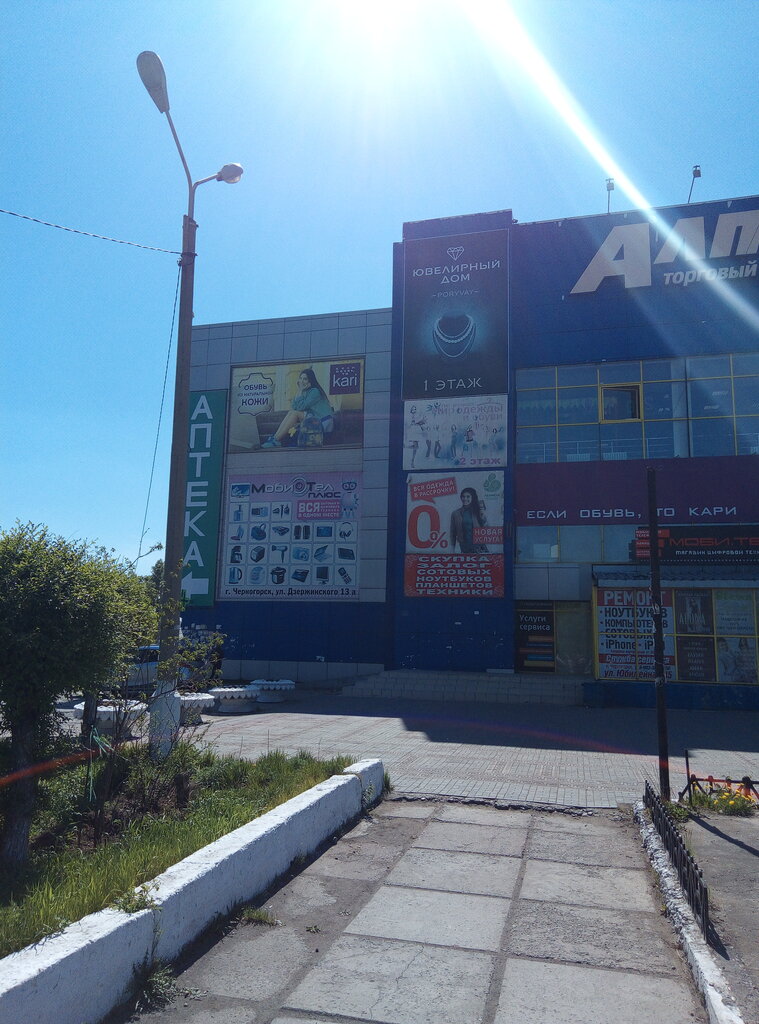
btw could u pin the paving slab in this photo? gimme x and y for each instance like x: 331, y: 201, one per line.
x: 595, y: 936
x: 454, y: 871
x: 541, y: 993
x: 474, y: 814
x: 254, y: 969
x: 396, y: 982
x: 407, y: 941
x: 407, y: 809
x: 427, y: 915
x: 442, y: 835
x: 587, y: 885
x: 603, y: 847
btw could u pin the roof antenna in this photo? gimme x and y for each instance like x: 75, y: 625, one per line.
x: 609, y: 190
x: 696, y: 174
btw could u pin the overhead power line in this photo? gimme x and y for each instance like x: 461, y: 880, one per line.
x: 91, y: 234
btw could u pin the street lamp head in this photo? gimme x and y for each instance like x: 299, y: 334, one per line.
x: 230, y: 173
x: 153, y: 78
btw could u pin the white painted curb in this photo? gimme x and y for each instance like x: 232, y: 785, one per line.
x: 79, y: 975
x: 707, y: 973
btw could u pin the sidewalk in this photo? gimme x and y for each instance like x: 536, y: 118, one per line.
x: 430, y: 912
x: 727, y: 851
x: 558, y: 756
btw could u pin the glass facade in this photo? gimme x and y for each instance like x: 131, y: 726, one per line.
x: 655, y: 408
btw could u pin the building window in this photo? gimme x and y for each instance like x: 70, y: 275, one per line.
x: 621, y: 402
x: 712, y: 437
x: 536, y: 444
x: 621, y: 441
x: 660, y: 408
x: 537, y: 544
x: 578, y: 405
x: 579, y: 443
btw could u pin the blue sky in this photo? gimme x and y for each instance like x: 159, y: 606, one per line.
x: 349, y: 118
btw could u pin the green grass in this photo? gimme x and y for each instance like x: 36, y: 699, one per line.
x: 65, y: 885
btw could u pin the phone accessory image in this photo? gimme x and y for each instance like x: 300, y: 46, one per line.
x: 348, y: 554
x: 301, y: 575
x: 344, y: 574
x: 345, y: 532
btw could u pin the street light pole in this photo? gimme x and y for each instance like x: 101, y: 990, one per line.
x: 164, y: 715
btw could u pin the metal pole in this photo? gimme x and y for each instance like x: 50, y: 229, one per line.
x: 657, y: 615
x: 164, y: 716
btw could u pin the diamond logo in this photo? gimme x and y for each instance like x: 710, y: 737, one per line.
x: 455, y: 251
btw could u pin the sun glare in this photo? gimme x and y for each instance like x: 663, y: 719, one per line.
x: 508, y: 43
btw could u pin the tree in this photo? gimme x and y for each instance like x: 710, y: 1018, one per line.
x: 70, y: 616
x: 154, y: 584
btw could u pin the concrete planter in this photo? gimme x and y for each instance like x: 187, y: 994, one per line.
x: 273, y: 691
x: 63, y: 979
x: 235, y: 700
x: 192, y: 706
x: 119, y: 717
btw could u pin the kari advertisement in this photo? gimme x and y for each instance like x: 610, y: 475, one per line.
x: 300, y: 405
x: 291, y: 536
x: 455, y: 316
x: 445, y: 433
x: 698, y: 491
x: 454, y: 535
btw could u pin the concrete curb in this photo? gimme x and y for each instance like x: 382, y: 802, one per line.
x: 80, y: 974
x: 707, y: 973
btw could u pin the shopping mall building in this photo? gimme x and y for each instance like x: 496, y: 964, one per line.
x: 459, y: 483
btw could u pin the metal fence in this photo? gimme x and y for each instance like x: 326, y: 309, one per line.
x: 689, y: 873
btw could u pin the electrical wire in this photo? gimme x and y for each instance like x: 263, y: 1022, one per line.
x: 90, y: 234
x: 160, y: 412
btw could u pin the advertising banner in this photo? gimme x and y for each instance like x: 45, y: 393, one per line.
x: 736, y: 659
x: 288, y: 536
x: 311, y: 404
x: 455, y: 316
x: 695, y: 659
x: 536, y: 642
x: 693, y: 611
x: 705, y: 490
x: 445, y: 433
x: 702, y: 545
x: 454, y: 535
x: 205, y: 455
x: 574, y: 275
x: 625, y: 633
x: 628, y: 610
x: 734, y: 612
